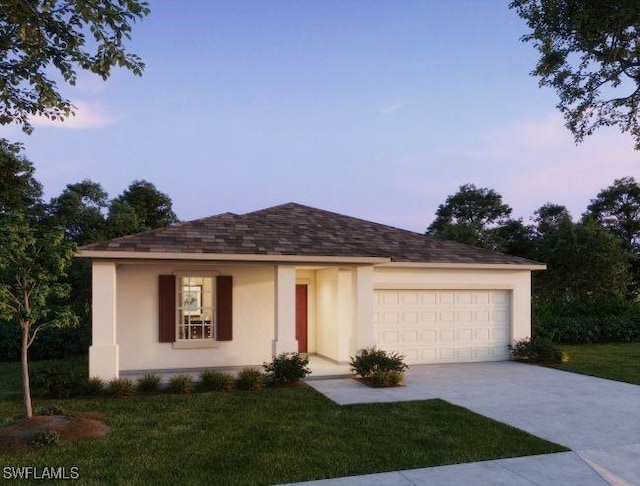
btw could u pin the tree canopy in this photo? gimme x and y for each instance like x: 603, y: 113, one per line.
x: 590, y: 55
x: 151, y: 207
x: 43, y: 42
x: 470, y: 216
x: 18, y: 187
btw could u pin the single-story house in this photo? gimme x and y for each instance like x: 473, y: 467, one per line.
x: 236, y: 290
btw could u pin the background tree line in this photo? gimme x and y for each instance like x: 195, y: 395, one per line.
x: 82, y: 214
x: 590, y: 290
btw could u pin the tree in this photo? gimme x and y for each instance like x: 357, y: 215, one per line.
x: 617, y: 208
x: 151, y: 207
x: 79, y: 210
x: 19, y: 190
x: 516, y: 238
x: 42, y: 41
x: 590, y: 54
x: 33, y: 264
x: 471, y: 216
x: 549, y: 217
x: 584, y: 261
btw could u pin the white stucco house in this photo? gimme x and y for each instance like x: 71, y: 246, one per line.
x: 236, y: 290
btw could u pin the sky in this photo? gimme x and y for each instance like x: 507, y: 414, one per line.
x: 378, y: 110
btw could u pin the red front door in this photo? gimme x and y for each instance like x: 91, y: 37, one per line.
x: 301, y: 317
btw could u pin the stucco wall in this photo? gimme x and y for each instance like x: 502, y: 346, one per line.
x: 137, y: 319
x: 516, y: 281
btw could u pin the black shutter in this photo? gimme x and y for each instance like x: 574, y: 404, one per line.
x: 224, y: 305
x: 167, y: 314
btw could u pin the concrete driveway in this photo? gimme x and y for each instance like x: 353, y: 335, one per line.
x: 598, y: 419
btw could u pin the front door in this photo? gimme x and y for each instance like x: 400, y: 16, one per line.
x: 301, y: 317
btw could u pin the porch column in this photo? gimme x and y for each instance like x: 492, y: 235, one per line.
x: 285, y: 307
x: 363, y: 308
x: 103, y: 352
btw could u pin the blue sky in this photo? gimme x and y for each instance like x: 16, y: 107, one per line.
x: 373, y: 109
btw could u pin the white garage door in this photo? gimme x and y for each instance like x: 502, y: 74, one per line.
x: 443, y: 326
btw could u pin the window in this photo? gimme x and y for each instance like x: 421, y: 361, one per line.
x: 195, y: 309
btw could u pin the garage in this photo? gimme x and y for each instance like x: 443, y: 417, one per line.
x: 443, y: 326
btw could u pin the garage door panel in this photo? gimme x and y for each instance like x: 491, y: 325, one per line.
x: 434, y: 326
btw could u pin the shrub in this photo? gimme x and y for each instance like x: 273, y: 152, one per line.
x: 250, y: 379
x: 121, y: 388
x: 149, y: 383
x: 592, y: 321
x: 216, y: 381
x: 387, y: 378
x: 57, y: 381
x: 50, y: 410
x: 181, y: 384
x: 94, y: 386
x: 286, y: 368
x: 536, y: 350
x: 372, y: 360
x: 45, y: 438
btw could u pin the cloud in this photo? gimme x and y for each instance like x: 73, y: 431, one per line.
x: 393, y: 106
x: 88, y: 116
x: 531, y: 162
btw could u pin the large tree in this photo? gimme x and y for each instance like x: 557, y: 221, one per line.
x: 590, y: 54
x: 471, y: 216
x: 617, y: 208
x: 43, y: 42
x: 19, y: 190
x: 33, y: 263
x: 79, y: 210
x: 143, y: 205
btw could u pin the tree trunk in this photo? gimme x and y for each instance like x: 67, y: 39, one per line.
x: 26, y: 387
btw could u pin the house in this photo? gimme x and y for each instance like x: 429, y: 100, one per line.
x: 236, y: 290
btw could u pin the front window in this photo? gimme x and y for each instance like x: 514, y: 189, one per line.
x: 196, y: 308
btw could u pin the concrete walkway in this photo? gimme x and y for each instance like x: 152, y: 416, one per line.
x: 598, y: 419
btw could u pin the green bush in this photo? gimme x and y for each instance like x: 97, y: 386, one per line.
x: 50, y: 410
x: 372, y: 360
x: 216, y: 381
x: 181, y: 384
x: 592, y: 321
x: 121, y: 388
x: 94, y: 386
x: 149, y: 383
x: 57, y: 381
x: 250, y: 379
x: 536, y: 350
x: 45, y: 438
x: 286, y: 368
x: 387, y: 378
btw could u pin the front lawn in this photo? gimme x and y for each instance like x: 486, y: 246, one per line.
x: 266, y: 437
x: 619, y: 361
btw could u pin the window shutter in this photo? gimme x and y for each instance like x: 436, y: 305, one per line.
x: 167, y: 314
x: 224, y: 305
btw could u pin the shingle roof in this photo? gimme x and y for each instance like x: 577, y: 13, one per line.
x: 294, y: 229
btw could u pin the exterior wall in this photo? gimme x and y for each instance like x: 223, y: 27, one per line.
x: 137, y: 319
x: 516, y: 281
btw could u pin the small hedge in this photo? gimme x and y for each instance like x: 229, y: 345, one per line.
x: 536, y: 350
x: 286, y: 368
x: 371, y: 361
x: 593, y: 321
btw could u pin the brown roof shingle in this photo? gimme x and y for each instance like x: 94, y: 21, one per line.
x: 294, y: 229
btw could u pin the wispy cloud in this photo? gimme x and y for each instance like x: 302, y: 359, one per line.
x: 535, y: 161
x: 88, y: 116
x: 393, y: 106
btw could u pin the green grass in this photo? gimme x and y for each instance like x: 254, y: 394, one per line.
x: 620, y: 361
x: 266, y: 437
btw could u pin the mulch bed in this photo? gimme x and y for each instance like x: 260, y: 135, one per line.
x: 17, y: 437
x: 369, y: 382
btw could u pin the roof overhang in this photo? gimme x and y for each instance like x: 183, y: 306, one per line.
x: 123, y: 256
x: 467, y: 266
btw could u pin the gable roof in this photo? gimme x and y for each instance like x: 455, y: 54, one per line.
x: 295, y: 230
